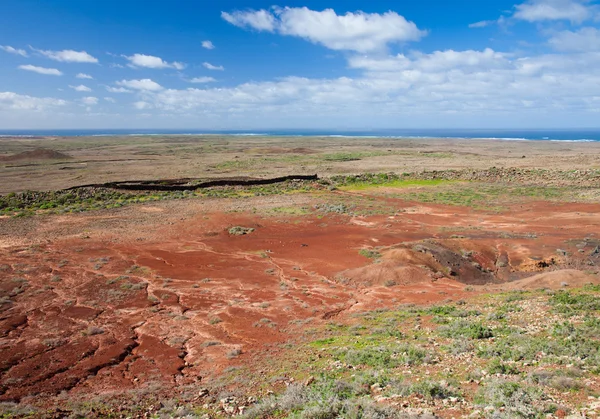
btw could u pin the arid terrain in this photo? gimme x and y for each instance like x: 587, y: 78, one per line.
x: 64, y: 162
x: 409, y: 279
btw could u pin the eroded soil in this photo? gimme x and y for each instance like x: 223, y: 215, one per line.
x: 163, y: 293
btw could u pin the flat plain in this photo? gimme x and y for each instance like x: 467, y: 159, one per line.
x: 412, y: 278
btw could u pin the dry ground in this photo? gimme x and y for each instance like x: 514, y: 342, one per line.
x: 157, y: 310
x: 104, y: 159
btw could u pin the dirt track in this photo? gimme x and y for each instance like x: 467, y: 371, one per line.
x: 162, y: 293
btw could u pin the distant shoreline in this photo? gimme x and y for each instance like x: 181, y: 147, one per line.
x: 584, y: 135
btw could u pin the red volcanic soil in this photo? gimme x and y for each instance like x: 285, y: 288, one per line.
x: 88, y: 315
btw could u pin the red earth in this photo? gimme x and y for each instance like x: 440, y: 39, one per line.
x: 99, y: 311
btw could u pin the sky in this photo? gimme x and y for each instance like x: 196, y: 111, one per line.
x: 300, y: 64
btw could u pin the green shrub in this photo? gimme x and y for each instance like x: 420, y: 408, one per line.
x: 568, y: 303
x: 369, y: 253
x: 496, y: 366
x: 509, y: 399
x: 465, y: 329
x: 385, y: 357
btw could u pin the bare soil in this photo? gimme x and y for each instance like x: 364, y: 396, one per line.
x: 163, y: 293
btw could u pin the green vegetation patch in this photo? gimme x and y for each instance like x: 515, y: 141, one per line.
x: 370, y: 253
x: 384, y: 356
x: 89, y: 199
x: 486, y: 195
x: 375, y: 180
x: 450, y: 189
x: 569, y: 303
x: 466, y: 329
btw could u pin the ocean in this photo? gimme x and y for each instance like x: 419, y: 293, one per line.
x: 575, y: 135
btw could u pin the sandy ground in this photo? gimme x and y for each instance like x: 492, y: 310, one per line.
x: 162, y: 293
x: 104, y: 159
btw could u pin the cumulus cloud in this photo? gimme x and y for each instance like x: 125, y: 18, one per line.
x: 41, y: 70
x: 68, y: 56
x: 142, y: 105
x: 110, y: 99
x: 358, y: 31
x: 261, y: 20
x: 89, y: 100
x: 12, y: 50
x: 143, y: 84
x: 81, y: 88
x: 208, y: 45
x: 482, y: 24
x: 213, y: 67
x: 542, y: 10
x: 468, y: 83
x: 14, y: 101
x: 202, y: 80
x: 117, y: 89
x: 585, y: 39
x: 436, y: 61
x: 84, y: 76
x: 464, y: 86
x: 150, y: 61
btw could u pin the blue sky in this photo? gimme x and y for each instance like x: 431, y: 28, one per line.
x: 311, y: 64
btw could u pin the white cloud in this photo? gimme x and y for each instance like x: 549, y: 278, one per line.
x: 442, y: 88
x: 208, y: 45
x: 436, y: 61
x: 465, y: 84
x: 81, y: 88
x: 213, y: 67
x: 117, y: 89
x: 501, y: 21
x: 142, y: 105
x: 150, y: 61
x: 143, y: 84
x: 89, y: 100
x: 359, y: 31
x: 84, y: 76
x: 261, y: 20
x: 575, y: 11
x: 482, y: 24
x: 12, y: 50
x: 68, y: 56
x: 585, y: 39
x: 41, y: 70
x: 202, y: 80
x: 14, y: 101
x: 110, y: 99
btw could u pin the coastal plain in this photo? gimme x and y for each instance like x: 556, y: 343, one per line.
x: 104, y: 159
x: 410, y: 278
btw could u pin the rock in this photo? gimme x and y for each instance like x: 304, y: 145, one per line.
x: 309, y: 381
x: 376, y: 388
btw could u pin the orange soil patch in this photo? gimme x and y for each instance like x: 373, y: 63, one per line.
x: 101, y: 314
